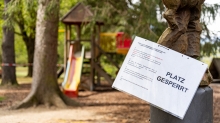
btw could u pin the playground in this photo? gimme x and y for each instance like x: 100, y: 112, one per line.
x: 83, y: 56
x: 78, y: 88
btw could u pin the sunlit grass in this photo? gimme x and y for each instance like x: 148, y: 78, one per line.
x: 21, y: 71
x: 21, y: 74
x: 110, y: 69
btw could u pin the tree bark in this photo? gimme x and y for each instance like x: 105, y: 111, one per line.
x: 29, y: 43
x: 8, y: 54
x: 45, y: 88
x: 30, y: 46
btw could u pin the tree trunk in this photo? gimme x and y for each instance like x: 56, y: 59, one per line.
x: 45, y: 88
x: 29, y: 41
x: 8, y: 54
x: 30, y: 52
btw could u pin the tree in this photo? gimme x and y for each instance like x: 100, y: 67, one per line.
x: 8, y: 53
x: 23, y: 14
x: 210, y: 40
x: 45, y: 89
x: 139, y: 19
x: 1, y: 24
x: 144, y: 19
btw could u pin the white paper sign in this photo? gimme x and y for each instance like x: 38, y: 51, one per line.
x: 160, y: 76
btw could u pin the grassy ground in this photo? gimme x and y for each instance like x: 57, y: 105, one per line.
x: 21, y: 73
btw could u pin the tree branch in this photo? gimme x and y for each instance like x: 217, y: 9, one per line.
x: 18, y: 33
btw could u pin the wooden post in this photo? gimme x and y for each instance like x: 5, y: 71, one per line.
x: 92, y: 73
x: 78, y: 31
x: 68, y: 39
x: 70, y: 33
x: 77, y: 43
x: 65, y: 48
x: 98, y: 52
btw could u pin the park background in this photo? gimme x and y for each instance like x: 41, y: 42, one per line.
x: 148, y: 18
x: 21, y: 53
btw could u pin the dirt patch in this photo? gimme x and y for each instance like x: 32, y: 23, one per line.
x: 101, y: 106
x: 106, y: 105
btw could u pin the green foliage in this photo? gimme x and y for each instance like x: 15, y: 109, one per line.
x: 136, y: 19
x: 60, y: 49
x: 210, y: 41
x: 65, y: 7
x: 23, y: 14
x: 144, y: 19
x: 20, y: 50
x: 53, y: 5
x: 108, y: 67
x: 141, y: 19
x: 1, y: 24
x: 1, y: 7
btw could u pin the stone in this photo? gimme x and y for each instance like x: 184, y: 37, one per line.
x: 199, y: 111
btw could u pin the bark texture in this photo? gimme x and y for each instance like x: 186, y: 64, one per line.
x: 30, y: 44
x: 29, y: 41
x: 8, y: 54
x: 45, y: 89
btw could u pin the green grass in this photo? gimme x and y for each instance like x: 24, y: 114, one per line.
x: 21, y: 74
x: 21, y: 71
x: 110, y: 69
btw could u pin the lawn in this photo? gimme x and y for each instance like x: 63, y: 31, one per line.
x: 21, y: 74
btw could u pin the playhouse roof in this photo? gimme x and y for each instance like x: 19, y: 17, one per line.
x: 79, y: 14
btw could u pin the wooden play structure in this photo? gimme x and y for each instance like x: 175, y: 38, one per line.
x: 78, y: 17
x: 118, y: 42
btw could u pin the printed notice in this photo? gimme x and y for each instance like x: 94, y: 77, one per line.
x: 160, y: 76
